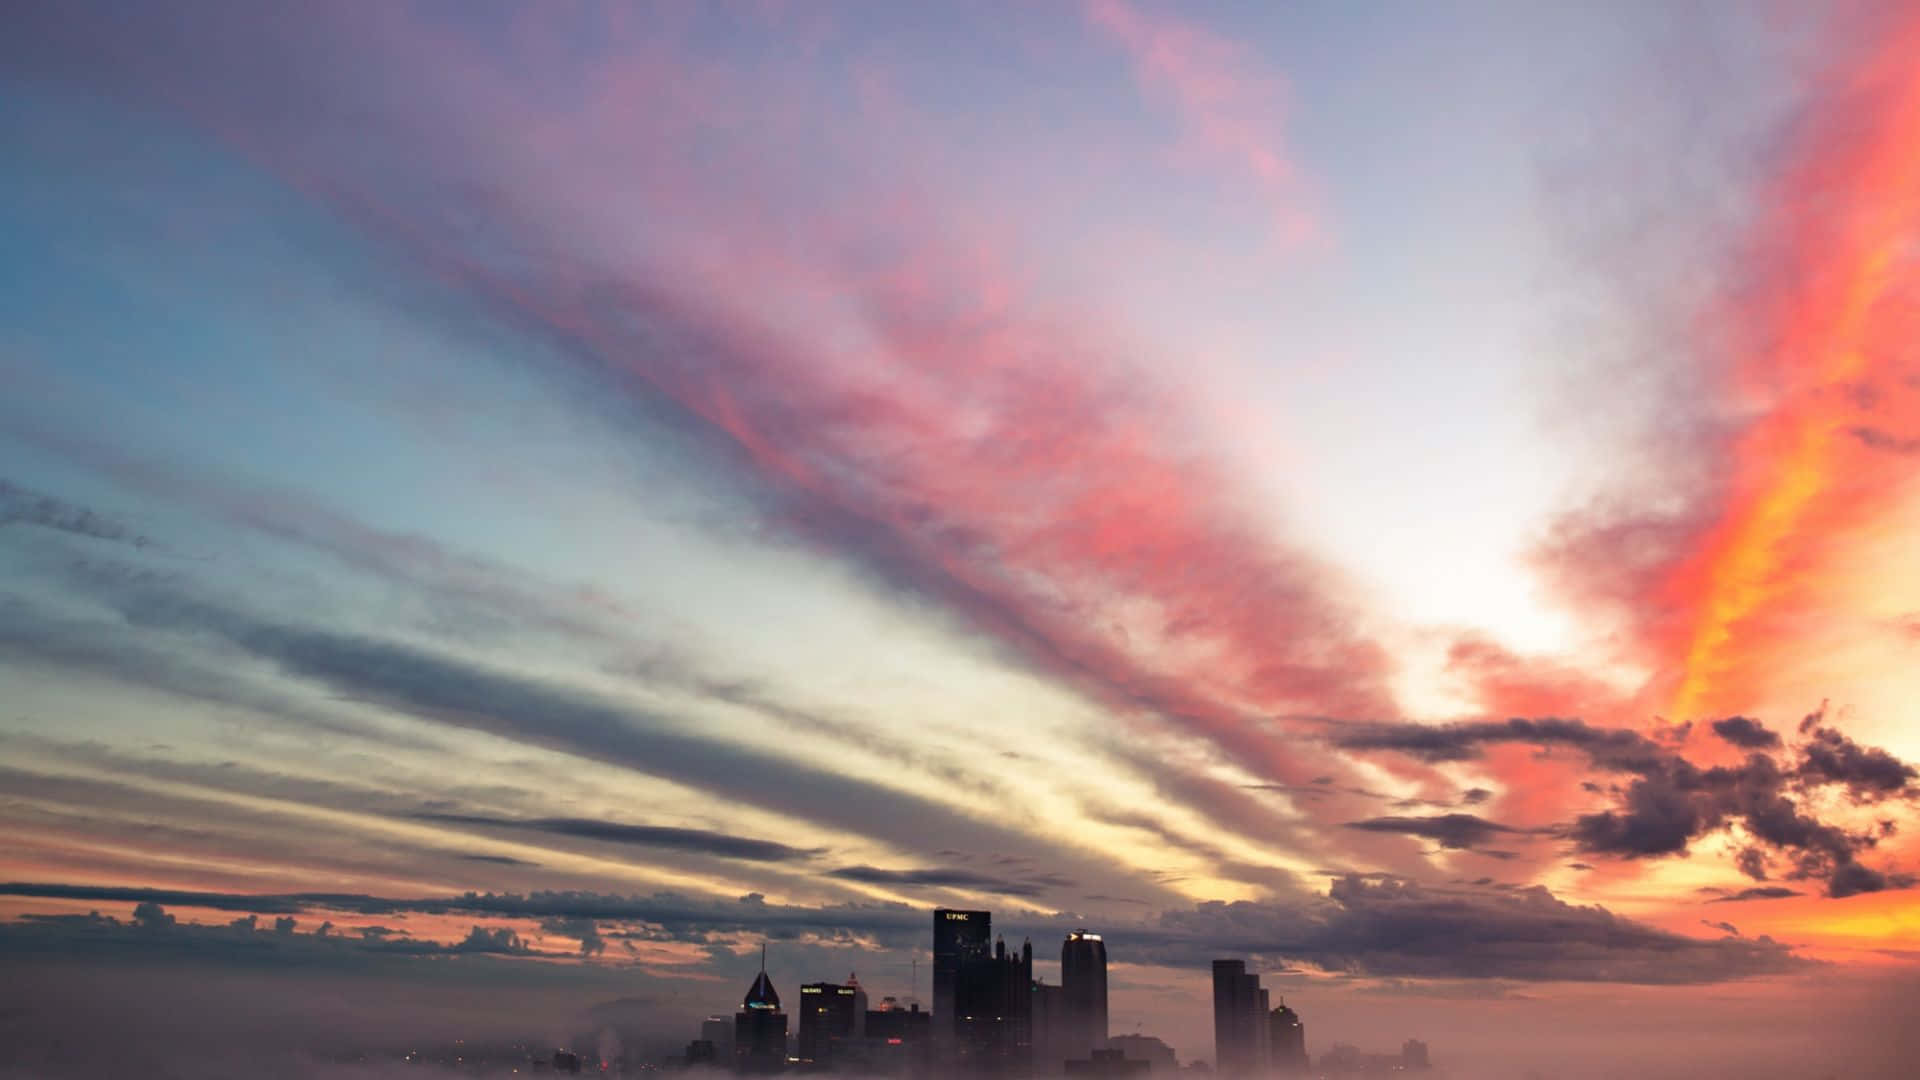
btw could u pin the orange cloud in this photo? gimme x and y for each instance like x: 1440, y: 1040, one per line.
x: 1813, y: 412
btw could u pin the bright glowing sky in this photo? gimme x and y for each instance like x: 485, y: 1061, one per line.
x: 1098, y: 461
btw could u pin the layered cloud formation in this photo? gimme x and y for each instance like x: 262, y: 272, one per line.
x: 610, y: 486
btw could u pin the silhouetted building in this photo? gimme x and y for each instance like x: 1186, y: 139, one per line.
x: 1240, y: 1032
x: 718, y: 1030
x: 993, y: 1003
x: 860, y: 1005
x: 1148, y: 1049
x: 702, y: 1052
x: 896, y: 1042
x: 891, y: 1021
x: 826, y: 1020
x: 566, y: 1061
x: 1287, y: 1041
x: 1083, y: 974
x: 760, y: 1028
x: 1344, y: 1059
x: 1052, y: 1034
x: 959, y: 938
x: 1106, y: 1064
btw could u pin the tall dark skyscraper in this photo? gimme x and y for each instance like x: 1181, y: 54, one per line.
x: 1287, y: 1040
x: 828, y: 1017
x: 959, y: 937
x: 760, y: 1028
x: 1240, y: 1024
x: 993, y: 1003
x: 1083, y: 980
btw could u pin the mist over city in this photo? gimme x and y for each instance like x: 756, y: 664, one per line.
x: 1092, y: 540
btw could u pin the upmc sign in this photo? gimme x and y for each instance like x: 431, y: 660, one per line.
x: 957, y: 916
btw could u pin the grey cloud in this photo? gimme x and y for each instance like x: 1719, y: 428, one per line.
x: 1448, y: 830
x: 697, y: 841
x: 443, y: 690
x: 1610, y: 748
x: 940, y: 878
x: 1386, y: 926
x: 1746, y: 733
x: 1671, y: 802
x: 1759, y: 892
x: 19, y: 506
x: 1376, y: 926
x: 586, y: 930
x: 264, y: 905
x: 482, y: 939
x: 1877, y: 439
x: 110, y: 650
x: 151, y: 916
x: 1866, y: 771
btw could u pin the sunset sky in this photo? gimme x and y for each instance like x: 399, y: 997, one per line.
x: 1420, y: 496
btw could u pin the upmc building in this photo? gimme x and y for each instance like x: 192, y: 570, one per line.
x: 959, y: 938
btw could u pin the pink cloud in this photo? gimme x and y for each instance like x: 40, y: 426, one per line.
x: 1232, y: 111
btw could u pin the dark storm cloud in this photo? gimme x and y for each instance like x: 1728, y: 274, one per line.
x: 1672, y: 802
x: 1746, y: 733
x: 1378, y: 926
x: 696, y: 841
x: 1448, y: 830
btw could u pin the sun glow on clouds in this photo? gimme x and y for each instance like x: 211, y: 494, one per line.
x: 1829, y: 327
x: 787, y: 530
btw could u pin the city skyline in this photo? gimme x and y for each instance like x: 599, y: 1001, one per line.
x: 509, y: 508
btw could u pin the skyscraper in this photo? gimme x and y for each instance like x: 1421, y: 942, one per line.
x: 1051, y: 1033
x: 1240, y: 1025
x: 1287, y: 1038
x: 760, y: 1028
x: 993, y: 1003
x: 958, y: 938
x: 1083, y: 978
x: 827, y: 1020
